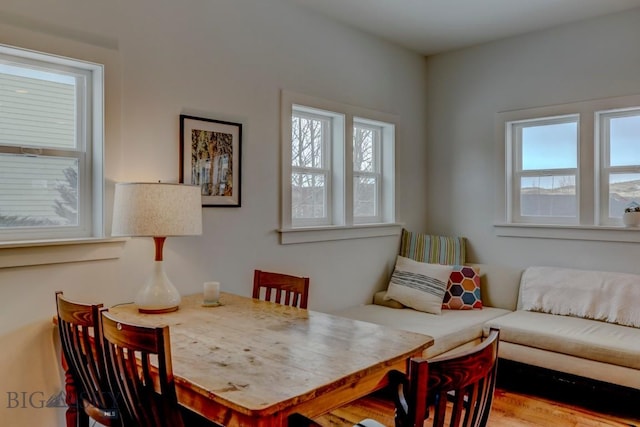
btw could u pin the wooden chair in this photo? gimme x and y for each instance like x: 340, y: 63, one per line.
x: 281, y: 288
x: 129, y: 351
x: 467, y: 380
x: 457, y: 388
x: 79, y: 329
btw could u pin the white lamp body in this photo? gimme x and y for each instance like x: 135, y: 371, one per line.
x: 158, y: 295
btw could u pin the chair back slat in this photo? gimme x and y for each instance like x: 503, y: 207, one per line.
x: 80, y: 352
x: 281, y: 288
x: 138, y: 360
x: 79, y: 330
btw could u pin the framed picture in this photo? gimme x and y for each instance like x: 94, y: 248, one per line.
x: 210, y: 158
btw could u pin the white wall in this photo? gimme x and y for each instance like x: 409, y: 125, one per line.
x: 228, y: 60
x: 465, y: 89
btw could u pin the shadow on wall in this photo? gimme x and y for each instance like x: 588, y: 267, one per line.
x: 32, y: 389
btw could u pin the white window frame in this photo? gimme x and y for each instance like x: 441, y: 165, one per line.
x: 513, y: 136
x: 329, y: 123
x: 341, y: 223
x: 604, y: 147
x: 89, y: 151
x: 376, y: 174
x: 591, y: 224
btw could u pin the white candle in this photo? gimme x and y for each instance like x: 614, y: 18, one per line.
x: 211, y: 292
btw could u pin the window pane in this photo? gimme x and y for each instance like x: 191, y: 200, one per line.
x: 37, y: 108
x: 365, y: 190
x: 550, y: 146
x: 624, y: 188
x: 307, y: 142
x: 364, y: 149
x: 308, y: 196
x: 38, y: 191
x: 624, y: 140
x: 553, y: 196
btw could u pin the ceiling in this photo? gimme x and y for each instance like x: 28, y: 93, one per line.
x: 433, y: 26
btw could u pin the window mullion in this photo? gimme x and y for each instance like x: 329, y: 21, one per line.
x: 548, y: 172
x: 348, y: 171
x: 304, y: 169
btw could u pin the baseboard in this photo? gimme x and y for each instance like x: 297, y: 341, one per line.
x: 572, y: 389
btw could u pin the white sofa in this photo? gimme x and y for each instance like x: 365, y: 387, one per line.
x: 596, y: 349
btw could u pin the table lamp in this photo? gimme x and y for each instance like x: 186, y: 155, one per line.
x: 157, y: 210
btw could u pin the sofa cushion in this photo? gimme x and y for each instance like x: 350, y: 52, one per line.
x: 463, y: 289
x: 598, y: 295
x: 419, y: 285
x: 500, y: 285
x: 432, y: 249
x: 585, y: 338
x: 450, y: 329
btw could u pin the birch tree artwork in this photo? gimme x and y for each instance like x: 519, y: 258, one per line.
x: 212, y: 162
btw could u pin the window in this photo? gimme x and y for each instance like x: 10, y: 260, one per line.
x: 545, y: 163
x: 619, y: 139
x: 338, y: 165
x: 50, y: 147
x: 570, y: 167
x: 367, y: 174
x: 311, y: 166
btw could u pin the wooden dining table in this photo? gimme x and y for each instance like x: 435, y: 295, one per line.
x: 252, y: 363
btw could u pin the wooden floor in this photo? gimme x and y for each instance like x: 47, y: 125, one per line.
x: 518, y: 410
x: 510, y: 409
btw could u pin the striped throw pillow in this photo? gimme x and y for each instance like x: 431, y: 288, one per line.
x: 433, y: 249
x: 419, y: 285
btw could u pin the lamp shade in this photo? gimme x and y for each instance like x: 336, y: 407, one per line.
x: 156, y: 209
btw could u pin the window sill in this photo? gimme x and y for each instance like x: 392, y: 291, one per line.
x: 290, y: 236
x: 570, y: 232
x: 23, y: 254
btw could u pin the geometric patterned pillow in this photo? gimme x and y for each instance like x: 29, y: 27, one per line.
x: 432, y: 249
x: 463, y: 289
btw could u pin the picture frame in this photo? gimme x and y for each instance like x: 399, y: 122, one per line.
x: 210, y: 157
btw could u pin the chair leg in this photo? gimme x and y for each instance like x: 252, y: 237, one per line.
x: 81, y: 417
